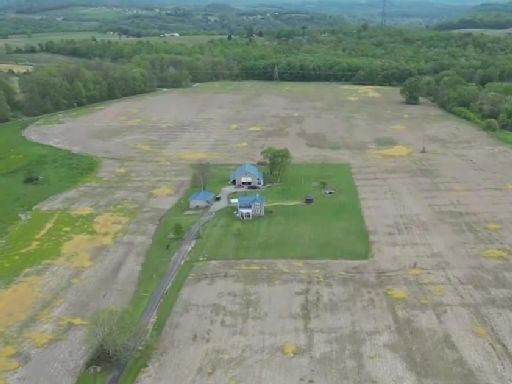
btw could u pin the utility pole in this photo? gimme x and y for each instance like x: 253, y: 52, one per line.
x: 384, y: 12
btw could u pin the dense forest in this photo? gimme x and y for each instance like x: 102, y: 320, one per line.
x: 467, y: 74
x: 484, y: 16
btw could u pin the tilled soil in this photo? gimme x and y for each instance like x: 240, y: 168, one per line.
x: 446, y: 318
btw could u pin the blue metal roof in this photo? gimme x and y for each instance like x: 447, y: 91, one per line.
x: 247, y: 168
x: 202, y: 195
x: 248, y: 200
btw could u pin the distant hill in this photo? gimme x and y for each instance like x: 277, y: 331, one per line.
x: 483, y: 16
x: 398, y: 11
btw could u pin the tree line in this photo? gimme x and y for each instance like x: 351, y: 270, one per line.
x: 462, y: 73
x: 489, y: 106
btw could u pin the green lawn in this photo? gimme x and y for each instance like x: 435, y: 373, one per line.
x: 331, y: 228
x: 19, y: 157
x: 504, y: 136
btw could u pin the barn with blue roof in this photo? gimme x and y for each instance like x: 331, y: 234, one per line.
x: 201, y: 199
x: 247, y: 175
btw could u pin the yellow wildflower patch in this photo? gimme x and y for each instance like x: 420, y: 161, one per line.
x: 414, y: 271
x: 17, y: 301
x: 494, y: 254
x: 77, y: 252
x: 397, y: 294
x: 438, y: 291
x: 8, y: 351
x: 44, y: 316
x: 370, y: 92
x: 39, y: 339
x: 396, y: 151
x: 76, y: 321
x: 162, y: 192
x: 7, y: 365
x: 289, y: 350
x: 145, y: 147
x: 109, y: 224
x: 479, y: 330
x: 121, y: 171
x: 492, y: 227
x: 251, y: 267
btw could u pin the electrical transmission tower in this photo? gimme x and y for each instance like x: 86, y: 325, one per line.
x: 384, y: 12
x: 276, y: 73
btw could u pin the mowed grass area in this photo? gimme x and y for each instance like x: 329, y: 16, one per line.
x: 331, y: 228
x: 504, y: 136
x: 59, y: 170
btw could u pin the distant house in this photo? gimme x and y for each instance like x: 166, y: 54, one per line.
x: 201, y: 199
x: 250, y: 206
x: 247, y: 175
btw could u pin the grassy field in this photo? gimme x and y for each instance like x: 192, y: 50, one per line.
x: 331, y: 228
x: 504, y: 136
x: 59, y: 169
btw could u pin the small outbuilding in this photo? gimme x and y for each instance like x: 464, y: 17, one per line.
x: 250, y: 206
x: 201, y: 199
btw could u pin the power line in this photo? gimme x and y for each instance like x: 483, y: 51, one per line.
x: 384, y: 12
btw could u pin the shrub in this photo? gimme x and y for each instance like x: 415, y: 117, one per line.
x: 491, y: 125
x: 466, y: 114
x: 108, y: 335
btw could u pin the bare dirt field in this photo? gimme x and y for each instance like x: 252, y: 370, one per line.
x: 431, y: 306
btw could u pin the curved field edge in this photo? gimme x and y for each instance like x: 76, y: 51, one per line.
x: 52, y: 171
